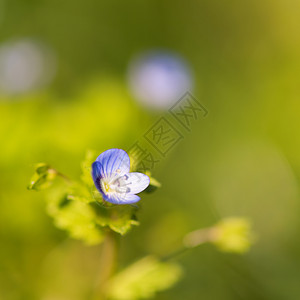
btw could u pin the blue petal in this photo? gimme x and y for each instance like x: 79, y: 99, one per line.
x: 114, y: 161
x: 130, y: 198
x: 136, y: 182
x: 118, y: 198
x: 97, y: 174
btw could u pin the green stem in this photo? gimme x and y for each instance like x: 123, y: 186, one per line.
x: 108, y: 263
x: 66, y: 178
x: 190, y: 241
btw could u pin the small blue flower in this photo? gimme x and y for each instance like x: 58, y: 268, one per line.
x: 111, y: 176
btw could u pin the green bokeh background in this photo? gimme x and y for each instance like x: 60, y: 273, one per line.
x: 241, y: 160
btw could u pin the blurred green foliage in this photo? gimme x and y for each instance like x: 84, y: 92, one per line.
x: 243, y: 159
x: 233, y: 235
x: 143, y: 279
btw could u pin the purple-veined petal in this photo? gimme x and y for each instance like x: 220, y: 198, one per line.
x: 97, y: 174
x: 114, y: 161
x: 132, y: 183
x: 131, y: 198
x: 121, y: 198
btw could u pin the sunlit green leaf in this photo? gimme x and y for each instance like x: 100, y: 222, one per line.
x: 43, y: 177
x: 80, y: 192
x: 119, y: 218
x: 86, y: 168
x: 154, y: 184
x: 233, y: 235
x: 77, y: 218
x: 143, y: 279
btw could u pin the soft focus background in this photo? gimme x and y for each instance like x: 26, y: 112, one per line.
x: 64, y: 88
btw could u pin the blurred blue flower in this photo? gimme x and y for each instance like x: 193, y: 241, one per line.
x: 111, y: 176
x: 158, y: 79
x: 25, y: 65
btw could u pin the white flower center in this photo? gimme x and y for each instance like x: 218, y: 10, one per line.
x: 115, y: 184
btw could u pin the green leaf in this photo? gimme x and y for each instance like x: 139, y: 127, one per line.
x: 43, y: 177
x: 143, y: 279
x: 233, y: 235
x: 154, y: 184
x: 80, y: 192
x: 86, y: 167
x: 76, y: 217
x: 119, y: 218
